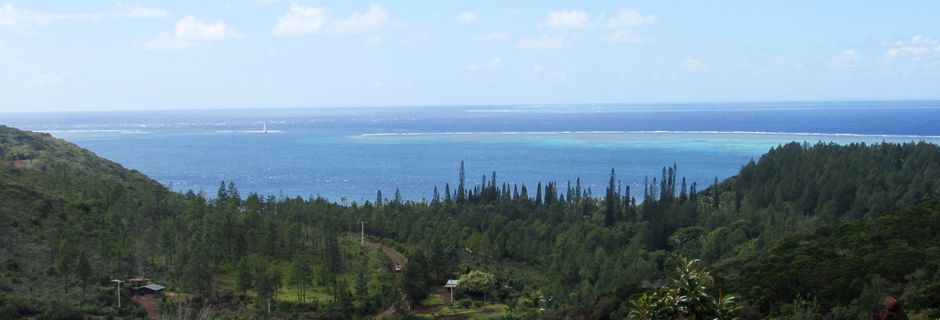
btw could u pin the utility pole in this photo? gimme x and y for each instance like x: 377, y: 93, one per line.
x: 362, y: 232
x: 118, y: 282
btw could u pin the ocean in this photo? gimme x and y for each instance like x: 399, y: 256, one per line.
x: 347, y: 154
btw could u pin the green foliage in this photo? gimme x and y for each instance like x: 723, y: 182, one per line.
x: 61, y: 312
x: 786, y: 226
x: 688, y: 295
x: 832, y: 180
x: 301, y: 274
x: 414, y: 281
x: 477, y: 282
x: 799, y: 309
x: 74, y: 219
x: 854, y: 264
x: 83, y: 270
x: 263, y: 284
x: 244, y: 276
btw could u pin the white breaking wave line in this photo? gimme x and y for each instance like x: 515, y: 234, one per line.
x: 248, y: 131
x: 96, y: 131
x: 769, y: 133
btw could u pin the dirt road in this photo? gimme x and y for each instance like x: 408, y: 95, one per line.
x: 394, y: 258
x: 149, y: 305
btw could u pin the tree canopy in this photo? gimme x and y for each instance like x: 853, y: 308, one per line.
x: 817, y: 222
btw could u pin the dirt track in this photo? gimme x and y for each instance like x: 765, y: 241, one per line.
x: 149, y: 305
x: 393, y: 257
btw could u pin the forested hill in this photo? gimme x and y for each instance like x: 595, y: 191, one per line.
x: 831, y: 180
x: 848, y: 269
x: 71, y: 220
x: 46, y: 174
x: 796, y: 188
x: 46, y: 181
x: 46, y: 154
x: 64, y: 207
x: 591, y: 254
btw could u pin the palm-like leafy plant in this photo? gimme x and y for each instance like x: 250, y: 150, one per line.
x: 687, y: 296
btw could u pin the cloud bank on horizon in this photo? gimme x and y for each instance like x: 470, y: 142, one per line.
x: 67, y: 55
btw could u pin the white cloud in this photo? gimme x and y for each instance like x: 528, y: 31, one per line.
x: 362, y: 23
x: 189, y: 32
x: 12, y: 17
x: 848, y: 59
x: 624, y: 23
x: 629, y: 18
x: 48, y: 79
x: 920, y: 48
x: 191, y: 28
x: 492, y: 36
x: 621, y: 26
x: 144, y: 12
x: 626, y: 36
x: 920, y: 55
x: 692, y: 64
x: 302, y: 20
x: 544, y: 42
x: 567, y: 19
x: 489, y: 64
x: 466, y: 17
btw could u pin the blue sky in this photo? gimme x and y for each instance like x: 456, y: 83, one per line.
x: 135, y: 55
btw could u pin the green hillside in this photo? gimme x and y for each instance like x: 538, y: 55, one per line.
x: 70, y: 221
x: 818, y: 229
x: 848, y: 269
x: 67, y: 213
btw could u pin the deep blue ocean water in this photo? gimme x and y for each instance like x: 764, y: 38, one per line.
x: 352, y: 152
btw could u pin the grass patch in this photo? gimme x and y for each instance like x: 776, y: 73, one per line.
x: 486, y: 311
x: 432, y: 300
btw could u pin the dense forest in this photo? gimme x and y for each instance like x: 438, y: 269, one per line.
x: 806, y: 231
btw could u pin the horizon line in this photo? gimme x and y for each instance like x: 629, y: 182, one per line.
x: 455, y: 105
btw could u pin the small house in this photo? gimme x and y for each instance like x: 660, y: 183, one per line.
x: 153, y: 290
x: 138, y: 282
x: 451, y: 285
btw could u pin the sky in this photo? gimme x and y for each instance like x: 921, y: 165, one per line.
x: 143, y: 55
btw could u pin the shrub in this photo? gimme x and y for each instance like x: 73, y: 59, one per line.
x: 687, y: 296
x: 60, y: 311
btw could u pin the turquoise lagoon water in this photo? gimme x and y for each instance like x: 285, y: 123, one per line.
x: 353, y: 152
